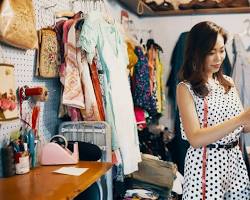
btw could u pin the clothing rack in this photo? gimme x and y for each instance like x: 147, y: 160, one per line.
x: 88, y: 5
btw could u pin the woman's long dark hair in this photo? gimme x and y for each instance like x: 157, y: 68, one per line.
x: 201, y: 40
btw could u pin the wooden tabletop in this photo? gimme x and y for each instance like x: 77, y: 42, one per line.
x: 42, y: 183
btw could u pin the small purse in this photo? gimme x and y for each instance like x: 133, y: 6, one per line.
x: 47, y: 61
x: 17, y: 24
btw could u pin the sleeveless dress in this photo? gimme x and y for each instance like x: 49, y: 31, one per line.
x: 226, y: 174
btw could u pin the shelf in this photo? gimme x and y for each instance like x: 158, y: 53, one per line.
x: 131, y: 5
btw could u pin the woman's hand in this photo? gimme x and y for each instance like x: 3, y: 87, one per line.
x: 245, y: 117
x: 246, y: 129
x: 246, y: 120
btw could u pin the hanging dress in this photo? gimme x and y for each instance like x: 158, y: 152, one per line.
x: 142, y: 95
x: 241, y: 70
x: 98, y: 33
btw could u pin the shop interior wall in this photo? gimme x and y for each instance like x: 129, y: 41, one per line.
x: 165, y: 31
x: 24, y: 62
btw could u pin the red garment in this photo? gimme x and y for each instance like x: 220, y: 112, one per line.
x: 97, y: 89
x: 140, y: 118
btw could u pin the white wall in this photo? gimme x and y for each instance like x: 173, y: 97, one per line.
x: 139, y: 24
x: 115, y: 10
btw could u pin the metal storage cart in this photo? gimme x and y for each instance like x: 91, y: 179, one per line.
x: 94, y: 132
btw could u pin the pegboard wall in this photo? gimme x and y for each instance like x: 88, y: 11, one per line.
x: 24, y: 63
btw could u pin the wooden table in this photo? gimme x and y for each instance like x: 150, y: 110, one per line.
x: 42, y: 184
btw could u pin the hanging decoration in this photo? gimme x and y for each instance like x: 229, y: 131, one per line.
x: 8, y: 104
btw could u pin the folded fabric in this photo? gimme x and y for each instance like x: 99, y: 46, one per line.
x: 142, y: 193
x: 232, y: 3
x: 196, y: 4
x: 177, y: 185
x: 164, y: 6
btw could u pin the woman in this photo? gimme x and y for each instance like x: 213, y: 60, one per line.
x: 211, y: 115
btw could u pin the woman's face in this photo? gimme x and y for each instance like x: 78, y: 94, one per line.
x: 215, y: 57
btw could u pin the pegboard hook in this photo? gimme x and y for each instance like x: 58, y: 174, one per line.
x: 50, y: 6
x: 44, y: 9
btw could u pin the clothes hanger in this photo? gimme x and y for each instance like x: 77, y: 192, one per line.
x: 247, y: 21
x: 44, y: 9
x: 158, y: 2
x: 66, y: 13
x: 106, y: 12
x: 132, y: 34
x: 246, y: 32
x: 245, y: 35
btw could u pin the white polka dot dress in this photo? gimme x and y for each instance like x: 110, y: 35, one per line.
x: 226, y: 174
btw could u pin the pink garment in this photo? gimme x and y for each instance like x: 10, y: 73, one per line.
x: 74, y: 114
x: 140, y: 118
x: 62, y: 69
x: 73, y: 93
x: 66, y: 27
x: 63, y: 110
x: 91, y: 111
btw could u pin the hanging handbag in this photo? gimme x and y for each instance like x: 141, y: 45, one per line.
x: 156, y: 172
x: 47, y: 61
x: 17, y: 24
x: 204, y: 155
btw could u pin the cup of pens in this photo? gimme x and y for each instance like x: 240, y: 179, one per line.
x: 22, y: 161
